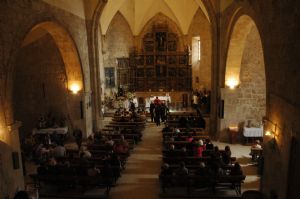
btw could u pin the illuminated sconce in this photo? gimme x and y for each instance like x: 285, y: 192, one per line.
x: 271, y: 133
x: 75, y: 88
x: 232, y: 83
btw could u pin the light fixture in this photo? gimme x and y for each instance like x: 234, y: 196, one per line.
x: 232, y: 83
x: 74, y: 88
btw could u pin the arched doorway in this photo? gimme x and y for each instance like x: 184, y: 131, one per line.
x: 245, y: 92
x: 48, y: 68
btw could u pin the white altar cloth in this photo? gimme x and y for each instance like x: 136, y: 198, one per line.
x: 253, y: 132
x: 60, y: 130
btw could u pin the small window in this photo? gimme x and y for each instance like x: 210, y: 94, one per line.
x: 199, y: 50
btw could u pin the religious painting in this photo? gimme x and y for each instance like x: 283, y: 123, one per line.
x: 140, y: 85
x: 151, y: 85
x: 181, y: 84
x: 182, y: 71
x: 149, y: 60
x: 140, y: 72
x: 149, y: 42
x: 172, y: 46
x: 172, y: 60
x: 182, y: 59
x: 172, y: 84
x: 161, y: 59
x: 172, y: 72
x: 161, y: 84
x: 149, y: 46
x: 109, y: 77
x: 161, y: 70
x: 139, y: 60
x: 161, y: 41
x: 150, y: 72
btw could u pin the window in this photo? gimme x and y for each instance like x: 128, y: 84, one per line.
x: 199, y: 50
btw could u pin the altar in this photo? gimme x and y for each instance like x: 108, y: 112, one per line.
x: 44, y: 131
x: 253, y: 132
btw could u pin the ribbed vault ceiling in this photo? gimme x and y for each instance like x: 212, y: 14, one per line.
x: 139, y: 12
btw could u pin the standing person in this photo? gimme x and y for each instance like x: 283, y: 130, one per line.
x: 152, y: 107
x: 77, y: 133
x: 156, y: 101
x: 163, y: 111
x: 157, y: 111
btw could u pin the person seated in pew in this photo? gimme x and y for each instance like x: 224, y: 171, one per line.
x: 202, y: 170
x: 83, y: 161
x: 256, y: 146
x: 124, y: 143
x: 217, y: 153
x: 236, y: 170
x: 200, y: 122
x: 22, y: 195
x: 93, y: 170
x: 59, y: 151
x: 169, y: 138
x: 183, y: 122
x: 90, y: 139
x: 198, y: 149
x: 167, y: 128
x: 209, y: 145
x: 182, y: 170
x: 171, y: 151
x: 165, y: 170
x: 52, y: 166
x: 183, y: 152
x: 85, y: 152
x: 226, y: 155
x: 190, y: 138
x: 109, y: 143
x: 177, y: 130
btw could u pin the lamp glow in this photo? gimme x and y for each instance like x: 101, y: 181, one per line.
x: 75, y: 88
x: 268, y: 133
x: 232, y: 83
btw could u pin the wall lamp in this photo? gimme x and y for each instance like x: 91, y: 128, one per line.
x: 271, y: 129
x: 74, y: 88
x: 271, y: 132
x: 232, y: 83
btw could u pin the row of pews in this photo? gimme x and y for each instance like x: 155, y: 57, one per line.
x: 179, y: 152
x: 73, y: 180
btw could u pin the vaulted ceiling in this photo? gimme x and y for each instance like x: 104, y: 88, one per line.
x: 139, y: 12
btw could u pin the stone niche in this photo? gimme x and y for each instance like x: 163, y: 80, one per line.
x: 40, y: 83
x: 247, y: 103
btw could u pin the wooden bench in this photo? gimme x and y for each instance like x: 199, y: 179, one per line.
x: 76, y: 183
x: 193, y: 181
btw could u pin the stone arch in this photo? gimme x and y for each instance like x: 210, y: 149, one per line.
x: 63, y: 66
x: 245, y: 67
x: 161, y: 18
x: 67, y: 48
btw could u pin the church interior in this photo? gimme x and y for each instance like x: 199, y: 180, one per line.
x: 156, y: 80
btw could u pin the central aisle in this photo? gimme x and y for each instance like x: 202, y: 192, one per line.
x: 140, y: 178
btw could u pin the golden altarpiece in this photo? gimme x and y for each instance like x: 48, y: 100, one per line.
x: 158, y: 67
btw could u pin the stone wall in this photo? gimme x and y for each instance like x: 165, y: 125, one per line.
x: 201, y: 27
x: 248, y: 101
x: 17, y: 19
x: 118, y: 42
x: 278, y: 24
x: 45, y: 88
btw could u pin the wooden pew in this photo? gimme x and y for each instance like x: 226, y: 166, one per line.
x: 193, y: 181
